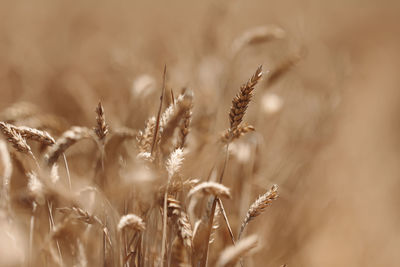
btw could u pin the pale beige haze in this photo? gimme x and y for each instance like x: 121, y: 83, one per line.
x: 304, y: 95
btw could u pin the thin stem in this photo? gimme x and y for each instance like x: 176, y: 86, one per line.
x: 67, y: 169
x: 104, y: 244
x: 31, y: 231
x: 221, y: 206
x: 49, y: 206
x: 164, y: 234
x: 208, y: 233
x: 225, y: 163
x: 205, y: 256
x: 35, y: 160
x: 159, y: 112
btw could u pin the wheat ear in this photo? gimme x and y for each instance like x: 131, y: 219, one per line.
x: 181, y: 220
x: 259, y: 206
x: 40, y: 136
x: 173, y: 165
x: 157, y: 127
x: 240, y: 130
x: 231, y: 255
x: 131, y: 221
x: 186, y: 119
x: 242, y: 100
x: 210, y: 188
x: 284, y: 67
x: 101, y: 128
x: 67, y: 139
x: 15, y: 138
x: 257, y: 35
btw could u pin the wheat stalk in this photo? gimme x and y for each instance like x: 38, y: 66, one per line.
x: 240, y: 130
x: 259, y: 206
x: 145, y: 138
x: 282, y: 68
x: 174, y: 115
x: 174, y: 162
x: 131, y: 221
x: 67, y: 139
x: 157, y: 126
x: 36, y: 187
x: 81, y: 215
x: 173, y: 165
x: 15, y: 138
x: 181, y: 220
x: 242, y: 100
x: 231, y: 255
x: 257, y: 35
x: 210, y: 188
x: 101, y: 129
x: 186, y: 119
x: 179, y: 255
x: 40, y: 136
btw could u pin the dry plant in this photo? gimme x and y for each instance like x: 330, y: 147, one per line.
x: 163, y: 232
x: 145, y: 195
x: 156, y: 133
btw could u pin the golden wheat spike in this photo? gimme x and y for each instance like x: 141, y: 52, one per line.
x: 101, y: 128
x: 67, y: 139
x: 241, y: 130
x: 259, y: 206
x: 15, y: 138
x: 211, y: 188
x: 181, y: 221
x: 131, y: 221
x: 242, y: 100
x: 231, y: 255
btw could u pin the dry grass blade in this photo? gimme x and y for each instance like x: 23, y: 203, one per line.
x: 231, y: 255
x: 241, y: 130
x: 101, y: 128
x: 259, y: 206
x: 210, y: 188
x: 67, y: 139
x: 242, y: 99
x: 15, y: 138
x: 131, y: 221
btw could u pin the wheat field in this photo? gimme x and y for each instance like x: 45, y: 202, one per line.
x: 207, y: 133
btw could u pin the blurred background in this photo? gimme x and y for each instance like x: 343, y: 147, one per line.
x: 327, y: 125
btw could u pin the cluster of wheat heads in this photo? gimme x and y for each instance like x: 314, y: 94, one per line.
x: 136, y: 210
